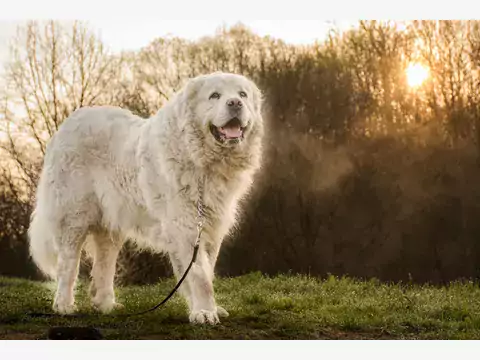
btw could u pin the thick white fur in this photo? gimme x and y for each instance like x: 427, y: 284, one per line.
x: 109, y: 175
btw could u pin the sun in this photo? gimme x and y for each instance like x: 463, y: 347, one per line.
x: 416, y: 74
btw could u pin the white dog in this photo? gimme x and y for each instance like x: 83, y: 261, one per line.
x: 109, y: 175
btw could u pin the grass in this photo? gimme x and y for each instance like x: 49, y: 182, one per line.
x: 282, y: 307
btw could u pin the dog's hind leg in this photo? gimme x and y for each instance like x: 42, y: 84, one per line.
x: 105, y: 249
x: 70, y: 248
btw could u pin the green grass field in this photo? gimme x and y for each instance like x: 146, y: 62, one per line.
x: 282, y: 307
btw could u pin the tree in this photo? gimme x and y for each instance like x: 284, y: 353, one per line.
x: 54, y: 70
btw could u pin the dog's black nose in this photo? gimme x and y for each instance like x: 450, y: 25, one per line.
x: 234, y: 103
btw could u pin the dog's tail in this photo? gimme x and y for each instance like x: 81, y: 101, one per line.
x: 42, y: 244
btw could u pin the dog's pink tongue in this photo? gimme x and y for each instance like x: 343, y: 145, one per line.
x: 231, y: 132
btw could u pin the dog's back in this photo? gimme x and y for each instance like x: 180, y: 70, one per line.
x: 89, y: 174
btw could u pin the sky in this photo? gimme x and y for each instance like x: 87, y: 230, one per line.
x: 132, y: 24
x: 119, y: 35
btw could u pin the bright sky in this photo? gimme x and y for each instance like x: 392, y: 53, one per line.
x: 140, y: 32
x: 136, y: 33
x: 132, y: 24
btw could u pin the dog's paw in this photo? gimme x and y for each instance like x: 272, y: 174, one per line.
x: 106, y: 307
x: 222, y: 312
x: 64, y: 309
x: 204, y: 317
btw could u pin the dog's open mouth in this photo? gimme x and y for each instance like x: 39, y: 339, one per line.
x: 231, y: 131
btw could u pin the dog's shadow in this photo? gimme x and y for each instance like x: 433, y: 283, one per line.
x: 74, y: 333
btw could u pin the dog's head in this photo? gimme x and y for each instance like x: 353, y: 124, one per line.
x: 225, y: 107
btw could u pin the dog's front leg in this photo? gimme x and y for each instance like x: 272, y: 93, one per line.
x: 198, y: 285
x: 212, y: 250
x: 204, y: 309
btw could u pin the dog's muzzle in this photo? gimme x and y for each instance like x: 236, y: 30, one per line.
x: 231, y: 132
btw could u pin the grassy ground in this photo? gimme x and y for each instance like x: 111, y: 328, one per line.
x: 284, y: 307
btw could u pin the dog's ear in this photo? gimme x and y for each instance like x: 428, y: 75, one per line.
x: 187, y: 99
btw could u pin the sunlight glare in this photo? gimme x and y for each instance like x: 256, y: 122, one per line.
x: 416, y: 74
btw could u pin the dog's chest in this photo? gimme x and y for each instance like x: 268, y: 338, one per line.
x: 220, y: 197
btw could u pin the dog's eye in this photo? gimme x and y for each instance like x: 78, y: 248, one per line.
x: 215, y: 95
x: 242, y: 94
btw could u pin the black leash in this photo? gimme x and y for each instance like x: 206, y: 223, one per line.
x: 174, y: 290
x: 200, y: 224
x: 92, y: 333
